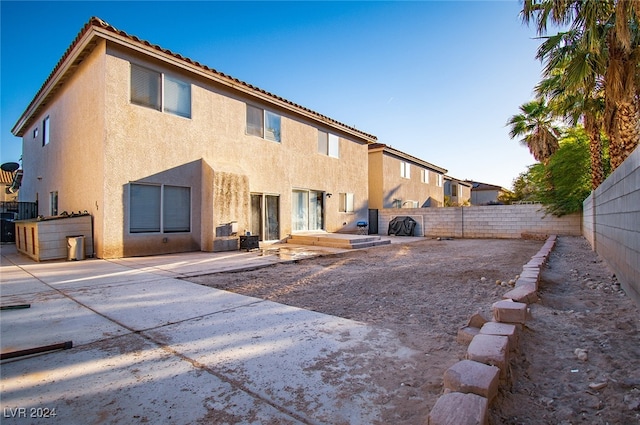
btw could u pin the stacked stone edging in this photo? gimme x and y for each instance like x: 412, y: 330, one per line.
x: 490, y: 345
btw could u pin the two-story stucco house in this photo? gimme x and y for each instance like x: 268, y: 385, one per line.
x: 169, y: 155
x: 399, y: 180
x: 486, y: 194
x: 457, y: 192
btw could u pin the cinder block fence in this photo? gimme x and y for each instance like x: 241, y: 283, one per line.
x: 611, y: 223
x: 495, y: 221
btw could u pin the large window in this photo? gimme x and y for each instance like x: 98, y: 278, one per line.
x: 263, y: 123
x: 328, y: 144
x: 155, y: 90
x: 159, y: 208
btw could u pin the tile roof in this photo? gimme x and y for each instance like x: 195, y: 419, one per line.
x: 96, y: 22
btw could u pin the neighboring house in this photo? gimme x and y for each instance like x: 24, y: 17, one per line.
x: 7, y: 192
x: 399, y: 180
x: 486, y: 194
x: 169, y: 155
x: 456, y: 192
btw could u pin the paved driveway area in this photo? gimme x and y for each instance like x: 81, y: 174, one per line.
x: 151, y: 348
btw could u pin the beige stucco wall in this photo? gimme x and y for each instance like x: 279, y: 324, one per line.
x: 210, y: 149
x: 100, y: 143
x: 464, y: 193
x: 384, y: 170
x: 70, y: 164
x: 376, y: 183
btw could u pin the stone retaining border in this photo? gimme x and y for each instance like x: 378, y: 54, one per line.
x: 487, y: 345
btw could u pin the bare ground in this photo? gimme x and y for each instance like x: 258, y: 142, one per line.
x: 424, y: 291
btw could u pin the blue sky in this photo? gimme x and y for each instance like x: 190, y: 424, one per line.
x: 435, y: 79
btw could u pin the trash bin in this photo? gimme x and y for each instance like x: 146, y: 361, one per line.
x: 75, y: 244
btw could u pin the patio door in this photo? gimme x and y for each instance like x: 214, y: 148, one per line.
x: 265, y: 216
x: 307, y: 212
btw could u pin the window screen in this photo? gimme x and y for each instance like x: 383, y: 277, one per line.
x: 144, y: 208
x: 145, y: 87
x: 176, y: 209
x: 323, y: 142
x: 254, y: 121
x: 177, y: 97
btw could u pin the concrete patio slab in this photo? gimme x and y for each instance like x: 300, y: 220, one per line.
x: 67, y: 275
x: 51, y: 319
x: 308, y: 363
x: 17, y: 282
x: 152, y: 348
x: 151, y: 304
x: 123, y: 381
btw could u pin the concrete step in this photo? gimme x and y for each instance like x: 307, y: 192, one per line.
x: 337, y: 240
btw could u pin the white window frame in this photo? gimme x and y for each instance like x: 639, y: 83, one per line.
x: 162, y: 213
x: 425, y: 176
x: 46, y: 130
x: 267, y: 117
x: 347, y: 202
x: 182, y: 99
x: 328, y: 144
x: 439, y: 180
x: 405, y: 170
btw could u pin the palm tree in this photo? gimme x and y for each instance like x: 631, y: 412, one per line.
x: 622, y: 107
x: 534, y: 124
x: 574, y: 88
x: 610, y: 27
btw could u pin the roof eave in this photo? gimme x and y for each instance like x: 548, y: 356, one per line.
x: 56, y: 79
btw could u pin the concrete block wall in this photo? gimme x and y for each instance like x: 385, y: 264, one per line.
x: 588, y: 219
x: 496, y: 221
x: 613, y: 229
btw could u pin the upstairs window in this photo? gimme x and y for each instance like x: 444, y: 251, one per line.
x: 160, y: 92
x: 263, y: 123
x: 425, y: 175
x: 45, y: 131
x: 405, y: 170
x: 177, y: 97
x: 439, y: 181
x: 328, y: 144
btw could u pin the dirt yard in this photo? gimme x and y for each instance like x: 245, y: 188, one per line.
x: 425, y: 291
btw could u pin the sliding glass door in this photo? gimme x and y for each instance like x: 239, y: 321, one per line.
x: 307, y: 212
x: 265, y: 216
